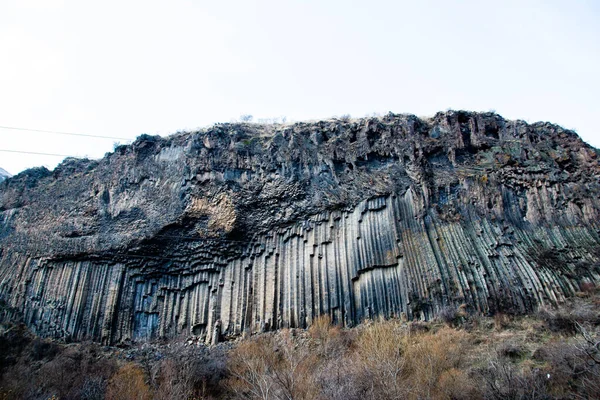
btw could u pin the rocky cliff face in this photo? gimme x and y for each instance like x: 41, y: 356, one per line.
x: 244, y: 227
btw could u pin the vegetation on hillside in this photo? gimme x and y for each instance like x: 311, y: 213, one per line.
x: 553, y: 354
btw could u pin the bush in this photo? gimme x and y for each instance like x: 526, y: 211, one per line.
x: 436, y: 362
x: 340, y: 378
x: 261, y: 368
x: 511, y: 349
x: 250, y: 367
x: 380, y: 350
x: 43, y: 349
x: 588, y: 288
x: 320, y: 327
x: 502, y: 380
x: 128, y: 383
x: 393, y: 363
x: 93, y: 388
x: 452, y: 316
x: 565, y: 318
x: 558, y: 321
x: 330, y: 340
x: 415, y: 327
x: 501, y: 321
x: 174, y: 381
x: 13, y: 340
x: 383, y: 359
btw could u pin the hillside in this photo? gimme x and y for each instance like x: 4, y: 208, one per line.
x: 249, y: 227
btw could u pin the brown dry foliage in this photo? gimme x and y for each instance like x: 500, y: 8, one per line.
x: 516, y: 357
x: 412, y: 366
x: 320, y: 328
x: 128, y: 383
x: 262, y: 368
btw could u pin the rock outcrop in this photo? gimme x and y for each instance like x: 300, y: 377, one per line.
x: 245, y: 227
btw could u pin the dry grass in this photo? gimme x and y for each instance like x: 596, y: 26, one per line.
x: 505, y: 357
x: 262, y: 368
x: 128, y: 383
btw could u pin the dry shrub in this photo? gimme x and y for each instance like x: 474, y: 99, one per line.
x: 19, y: 382
x: 205, y: 370
x: 558, y: 321
x: 329, y: 340
x: 565, y: 318
x: 43, y: 349
x: 61, y: 375
x: 182, y: 371
x: 341, y: 378
x: 435, y: 362
x: 380, y: 350
x: 418, y: 327
x: 250, y: 367
x: 573, y: 366
x: 13, y: 340
x: 562, y: 363
x: 128, y: 383
x: 501, y: 321
x: 295, y: 368
x: 334, y: 374
x: 396, y: 364
x: 320, y: 327
x: 502, y: 380
x: 93, y: 388
x: 45, y: 369
x: 261, y: 368
x: 448, y: 316
x: 511, y: 349
x: 588, y: 288
x: 474, y: 322
x: 456, y: 384
x: 174, y: 381
x: 557, y: 369
x: 453, y: 316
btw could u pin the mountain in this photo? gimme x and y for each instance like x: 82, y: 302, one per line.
x: 4, y: 174
x: 247, y: 227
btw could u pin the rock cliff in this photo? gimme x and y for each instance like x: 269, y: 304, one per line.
x: 248, y: 227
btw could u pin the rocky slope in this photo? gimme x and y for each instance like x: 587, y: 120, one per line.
x: 245, y: 227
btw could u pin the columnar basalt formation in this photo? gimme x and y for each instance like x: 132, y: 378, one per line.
x: 248, y: 227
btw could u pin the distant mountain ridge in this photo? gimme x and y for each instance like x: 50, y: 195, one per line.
x: 4, y: 174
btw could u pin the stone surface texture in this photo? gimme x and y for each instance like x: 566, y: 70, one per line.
x: 248, y: 227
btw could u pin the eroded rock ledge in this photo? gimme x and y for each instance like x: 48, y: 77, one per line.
x: 245, y: 227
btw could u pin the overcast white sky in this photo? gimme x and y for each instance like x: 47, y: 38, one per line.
x: 122, y: 68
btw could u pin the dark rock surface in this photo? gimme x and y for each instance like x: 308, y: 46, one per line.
x: 247, y: 227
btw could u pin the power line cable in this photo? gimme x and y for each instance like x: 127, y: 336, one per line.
x: 37, y: 153
x: 64, y: 133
